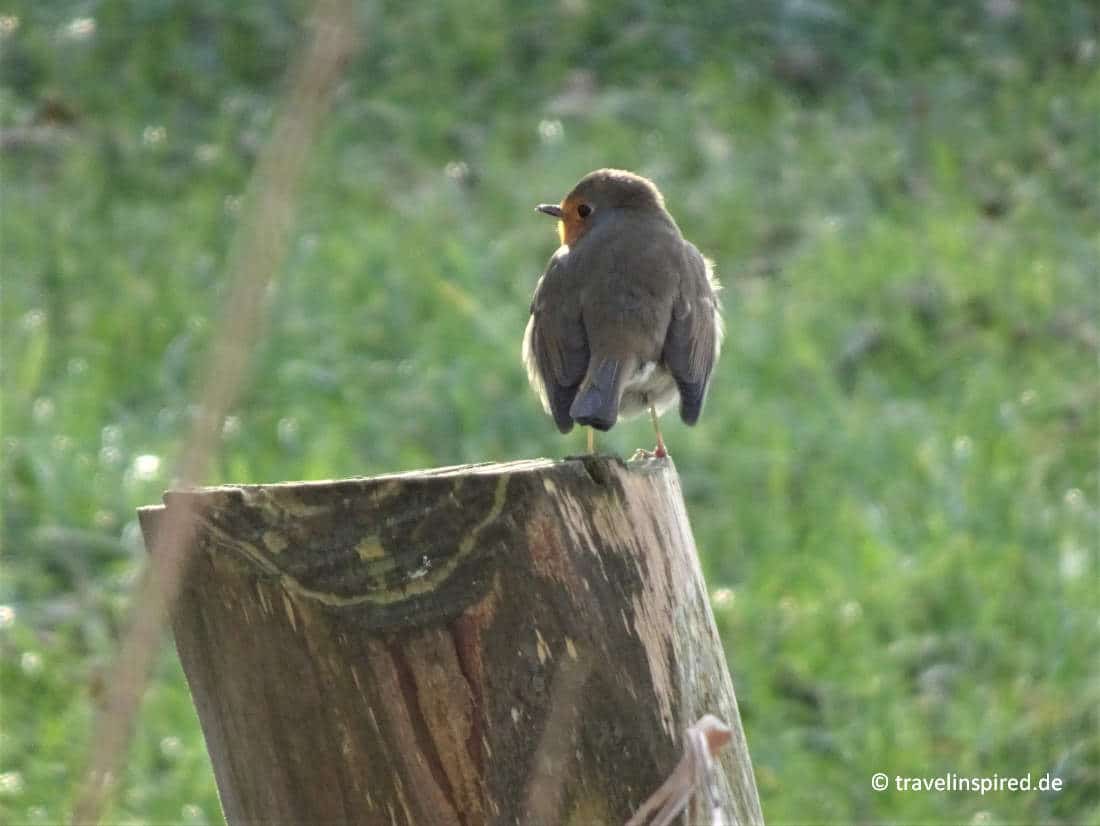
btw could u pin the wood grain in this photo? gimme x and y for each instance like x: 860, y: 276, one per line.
x: 518, y: 643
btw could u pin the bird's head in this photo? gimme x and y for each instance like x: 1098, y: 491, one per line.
x: 597, y: 195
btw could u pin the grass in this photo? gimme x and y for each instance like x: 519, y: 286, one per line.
x: 894, y: 486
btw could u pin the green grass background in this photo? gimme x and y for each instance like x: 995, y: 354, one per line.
x: 894, y: 486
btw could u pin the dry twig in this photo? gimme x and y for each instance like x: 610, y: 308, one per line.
x: 258, y: 252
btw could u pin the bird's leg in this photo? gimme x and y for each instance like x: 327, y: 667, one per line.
x: 660, y: 452
x: 591, y: 441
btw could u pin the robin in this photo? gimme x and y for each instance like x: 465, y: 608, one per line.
x: 626, y: 316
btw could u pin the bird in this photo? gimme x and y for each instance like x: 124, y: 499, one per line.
x: 626, y: 316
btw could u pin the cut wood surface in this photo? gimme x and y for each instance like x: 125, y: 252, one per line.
x: 520, y: 643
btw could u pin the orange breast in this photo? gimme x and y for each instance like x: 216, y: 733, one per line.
x: 571, y: 226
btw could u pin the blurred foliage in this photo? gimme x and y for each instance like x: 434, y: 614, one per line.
x: 894, y: 485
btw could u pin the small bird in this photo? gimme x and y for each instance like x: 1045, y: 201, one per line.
x: 626, y: 316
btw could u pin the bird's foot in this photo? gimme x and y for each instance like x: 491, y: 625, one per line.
x: 641, y: 453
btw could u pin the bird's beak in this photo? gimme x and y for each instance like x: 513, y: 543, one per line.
x: 550, y: 209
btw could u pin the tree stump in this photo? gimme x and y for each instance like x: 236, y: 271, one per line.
x: 519, y: 643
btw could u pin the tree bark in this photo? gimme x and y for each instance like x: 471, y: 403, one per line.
x: 519, y: 643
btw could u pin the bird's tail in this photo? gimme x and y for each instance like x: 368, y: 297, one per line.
x: 597, y: 401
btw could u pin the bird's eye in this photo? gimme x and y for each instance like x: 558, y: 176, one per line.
x: 584, y: 210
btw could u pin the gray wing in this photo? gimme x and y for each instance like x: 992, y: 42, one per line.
x: 555, y: 346
x: 694, y: 337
